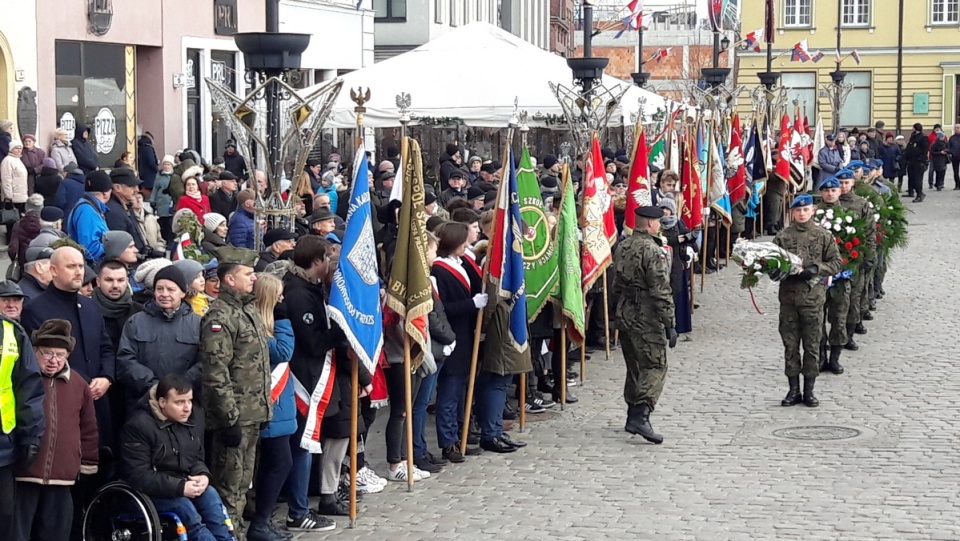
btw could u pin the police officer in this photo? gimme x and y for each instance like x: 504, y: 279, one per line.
x: 861, y: 210
x: 802, y: 297
x: 236, y: 379
x: 838, y: 297
x: 645, y: 318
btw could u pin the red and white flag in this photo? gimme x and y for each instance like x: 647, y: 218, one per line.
x: 600, y: 228
x: 638, y: 184
x: 856, y: 56
x: 312, y: 405
x: 660, y: 54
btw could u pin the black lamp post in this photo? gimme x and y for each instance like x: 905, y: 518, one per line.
x: 716, y: 75
x: 640, y: 79
x: 587, y: 70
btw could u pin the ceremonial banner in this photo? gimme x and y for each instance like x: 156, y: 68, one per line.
x: 638, y: 184
x: 540, y: 269
x: 818, y: 140
x: 719, y: 198
x: 355, y: 293
x: 736, y: 184
x: 599, y: 228
x: 569, y: 296
x: 409, y: 292
x: 784, y: 158
x: 692, y: 213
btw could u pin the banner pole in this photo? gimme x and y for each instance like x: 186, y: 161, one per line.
x: 408, y: 403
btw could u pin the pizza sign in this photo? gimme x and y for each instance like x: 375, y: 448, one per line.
x: 105, y: 130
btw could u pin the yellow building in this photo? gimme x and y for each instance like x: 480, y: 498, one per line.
x: 930, y: 48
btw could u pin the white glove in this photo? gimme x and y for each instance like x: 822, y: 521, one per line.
x: 480, y: 300
x: 448, y: 349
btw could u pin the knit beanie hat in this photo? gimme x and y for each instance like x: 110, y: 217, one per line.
x: 34, y: 202
x: 114, y: 243
x: 212, y: 220
x: 667, y: 203
x: 172, y: 274
x: 54, y: 333
x: 168, y: 159
x: 189, y: 268
x: 147, y: 271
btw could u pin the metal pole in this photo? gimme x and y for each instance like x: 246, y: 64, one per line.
x: 273, y: 15
x: 839, y: 26
x: 640, y: 49
x: 770, y: 84
x: 900, y: 72
x: 587, y: 30
x: 716, y: 49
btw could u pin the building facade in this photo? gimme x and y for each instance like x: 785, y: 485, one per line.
x: 927, y: 83
x: 562, y: 27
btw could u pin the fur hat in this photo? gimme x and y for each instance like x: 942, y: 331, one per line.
x: 147, y: 271
x: 54, y: 333
x: 192, y: 172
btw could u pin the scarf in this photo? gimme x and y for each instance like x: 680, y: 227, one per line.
x: 113, y: 308
x: 668, y: 222
x: 195, y: 197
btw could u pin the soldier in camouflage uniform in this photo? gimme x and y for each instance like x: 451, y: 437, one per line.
x: 644, y: 317
x: 838, y: 296
x: 802, y: 297
x: 861, y: 209
x: 236, y: 379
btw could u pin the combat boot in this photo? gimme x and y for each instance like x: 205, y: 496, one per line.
x: 794, y: 396
x: 851, y: 343
x: 808, y: 398
x: 867, y: 315
x: 633, y: 420
x: 873, y: 302
x: 859, y: 328
x: 642, y: 425
x: 834, y: 363
x: 823, y: 357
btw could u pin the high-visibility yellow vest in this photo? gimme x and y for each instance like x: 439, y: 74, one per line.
x: 9, y: 357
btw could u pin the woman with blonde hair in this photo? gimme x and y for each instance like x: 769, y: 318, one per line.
x: 61, y: 151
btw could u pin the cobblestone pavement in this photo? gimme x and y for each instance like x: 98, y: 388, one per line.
x: 725, y: 471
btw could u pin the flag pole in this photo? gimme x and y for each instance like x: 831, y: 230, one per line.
x: 522, y: 400
x: 606, y: 315
x: 583, y: 349
x: 563, y: 362
x: 404, y: 100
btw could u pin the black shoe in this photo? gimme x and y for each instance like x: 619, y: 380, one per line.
x: 453, y: 454
x: 834, y: 363
x: 259, y: 531
x: 860, y: 329
x: 922, y: 197
x: 497, y: 445
x: 474, y: 451
x: 438, y: 461
x: 823, y: 358
x: 939, y: 188
x: 641, y: 426
x: 808, y: 398
x: 867, y: 315
x: 473, y: 438
x: 851, y: 343
x: 278, y: 532
x: 505, y: 438
x: 794, y: 396
x: 873, y: 302
x: 509, y: 413
x: 331, y: 505
x: 424, y: 464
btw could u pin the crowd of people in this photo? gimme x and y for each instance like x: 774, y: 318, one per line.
x: 156, y: 346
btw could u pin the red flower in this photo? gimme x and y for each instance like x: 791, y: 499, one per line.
x: 845, y: 260
x: 856, y: 241
x: 837, y: 239
x: 854, y: 254
x: 848, y: 246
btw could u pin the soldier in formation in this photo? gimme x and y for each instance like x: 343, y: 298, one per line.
x: 838, y: 297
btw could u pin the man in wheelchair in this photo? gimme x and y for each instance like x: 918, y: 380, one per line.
x: 162, y: 457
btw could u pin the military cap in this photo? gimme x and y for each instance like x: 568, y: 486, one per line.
x: 855, y: 164
x: 232, y: 255
x: 830, y: 182
x: 10, y: 289
x: 125, y: 177
x: 277, y: 234
x: 844, y: 174
x: 649, y: 212
x: 322, y: 213
x: 802, y: 200
x: 875, y: 163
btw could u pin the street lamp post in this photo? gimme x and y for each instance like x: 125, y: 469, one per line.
x: 641, y: 77
x: 716, y: 75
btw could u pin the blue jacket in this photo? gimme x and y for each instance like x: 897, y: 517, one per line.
x: 160, y: 198
x: 241, y: 228
x: 891, y: 155
x: 83, y: 150
x: 87, y: 224
x: 284, y: 420
x: 28, y: 393
x: 147, y: 161
x: 334, y: 197
x: 70, y: 191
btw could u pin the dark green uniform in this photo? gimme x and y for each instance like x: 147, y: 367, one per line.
x: 236, y: 391
x: 801, y: 302
x: 861, y: 208
x: 644, y: 312
x: 837, y: 305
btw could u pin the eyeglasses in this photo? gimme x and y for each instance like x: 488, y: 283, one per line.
x: 47, y: 355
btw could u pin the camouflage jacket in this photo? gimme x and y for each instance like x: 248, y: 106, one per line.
x: 641, y: 287
x: 236, y: 362
x: 817, y: 247
x: 861, y: 207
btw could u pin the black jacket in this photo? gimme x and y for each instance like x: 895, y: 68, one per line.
x: 461, y: 313
x: 223, y: 203
x: 917, y: 149
x: 447, y: 167
x: 679, y: 253
x: 236, y: 164
x: 940, y: 155
x: 30, y: 287
x: 159, y: 454
x: 120, y: 219
x: 83, y: 150
x: 147, y: 164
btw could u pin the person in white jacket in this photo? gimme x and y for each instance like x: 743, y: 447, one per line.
x: 13, y: 181
x: 61, y: 151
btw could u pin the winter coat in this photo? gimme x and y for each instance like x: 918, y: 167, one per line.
x: 200, y: 207
x: 46, y: 237
x: 28, y: 391
x: 69, y: 445
x: 160, y: 196
x: 87, y: 224
x: 147, y: 164
x: 447, y: 167
x: 33, y: 159
x: 13, y: 179
x: 175, y: 188
x: 441, y: 333
x: 830, y: 160
x: 281, y: 346
x: 70, y: 191
x: 83, y: 150
x: 917, y: 149
x: 5, y: 139
x: 47, y: 184
x: 159, y: 454
x: 939, y: 155
x: 62, y: 154
x: 223, y: 203
x: 891, y: 156
x: 154, y: 344
x: 120, y: 218
x: 149, y: 229
x: 31, y: 287
x: 498, y: 356
x: 678, y: 250
x: 236, y: 164
x: 241, y: 229
x: 457, y: 293
x: 953, y: 145
x: 24, y: 231
x: 211, y: 241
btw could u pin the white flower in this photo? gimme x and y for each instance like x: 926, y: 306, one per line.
x: 849, y: 219
x: 830, y: 213
x: 837, y: 227
x: 819, y: 212
x: 871, y: 204
x: 851, y: 230
x: 876, y: 217
x: 758, y: 273
x: 756, y: 266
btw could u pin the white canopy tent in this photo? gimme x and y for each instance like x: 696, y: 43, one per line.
x: 474, y: 73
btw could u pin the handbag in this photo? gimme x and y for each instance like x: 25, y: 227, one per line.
x: 9, y: 214
x: 14, y: 271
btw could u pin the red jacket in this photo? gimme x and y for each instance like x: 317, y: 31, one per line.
x: 201, y: 208
x: 69, y: 444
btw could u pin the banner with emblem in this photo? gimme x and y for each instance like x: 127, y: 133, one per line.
x: 599, y: 229
x: 638, y: 185
x: 355, y: 293
x: 569, y: 296
x: 540, y: 270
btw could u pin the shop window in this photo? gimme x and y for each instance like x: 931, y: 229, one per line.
x: 802, y: 87
x: 223, y: 69
x: 390, y: 10
x: 194, y: 115
x: 856, y: 110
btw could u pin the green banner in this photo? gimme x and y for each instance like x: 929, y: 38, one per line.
x: 540, y: 271
x: 569, y: 297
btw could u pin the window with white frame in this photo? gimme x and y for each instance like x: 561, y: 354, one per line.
x: 856, y: 12
x: 802, y: 88
x: 390, y: 10
x: 944, y: 11
x: 453, y: 12
x: 797, y: 13
x: 856, y: 110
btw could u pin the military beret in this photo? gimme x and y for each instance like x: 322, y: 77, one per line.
x: 232, y: 255
x: 830, y: 182
x: 855, y: 164
x: 801, y: 200
x: 649, y: 212
x: 875, y: 163
x: 844, y: 174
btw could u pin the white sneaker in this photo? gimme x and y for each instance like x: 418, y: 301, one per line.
x: 370, y: 477
x: 363, y: 487
x: 400, y: 474
x: 422, y: 473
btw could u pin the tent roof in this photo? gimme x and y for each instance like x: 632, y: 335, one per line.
x: 474, y: 73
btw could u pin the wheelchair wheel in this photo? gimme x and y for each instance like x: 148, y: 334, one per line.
x: 120, y: 513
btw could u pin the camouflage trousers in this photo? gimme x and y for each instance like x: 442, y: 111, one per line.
x: 867, y: 293
x: 646, y: 368
x: 857, y: 285
x: 881, y: 272
x: 835, y: 312
x: 232, y: 470
x: 801, y: 326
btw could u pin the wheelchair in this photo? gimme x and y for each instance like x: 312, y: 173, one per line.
x: 120, y: 513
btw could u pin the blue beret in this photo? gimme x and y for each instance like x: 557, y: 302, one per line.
x: 855, y: 164
x: 802, y: 200
x: 875, y: 163
x: 844, y: 174
x: 830, y: 182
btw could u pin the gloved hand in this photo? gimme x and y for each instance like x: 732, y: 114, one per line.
x: 809, y: 272
x: 672, y: 337
x: 231, y: 436
x: 29, y: 454
x: 480, y: 300
x: 448, y: 349
x: 777, y: 275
